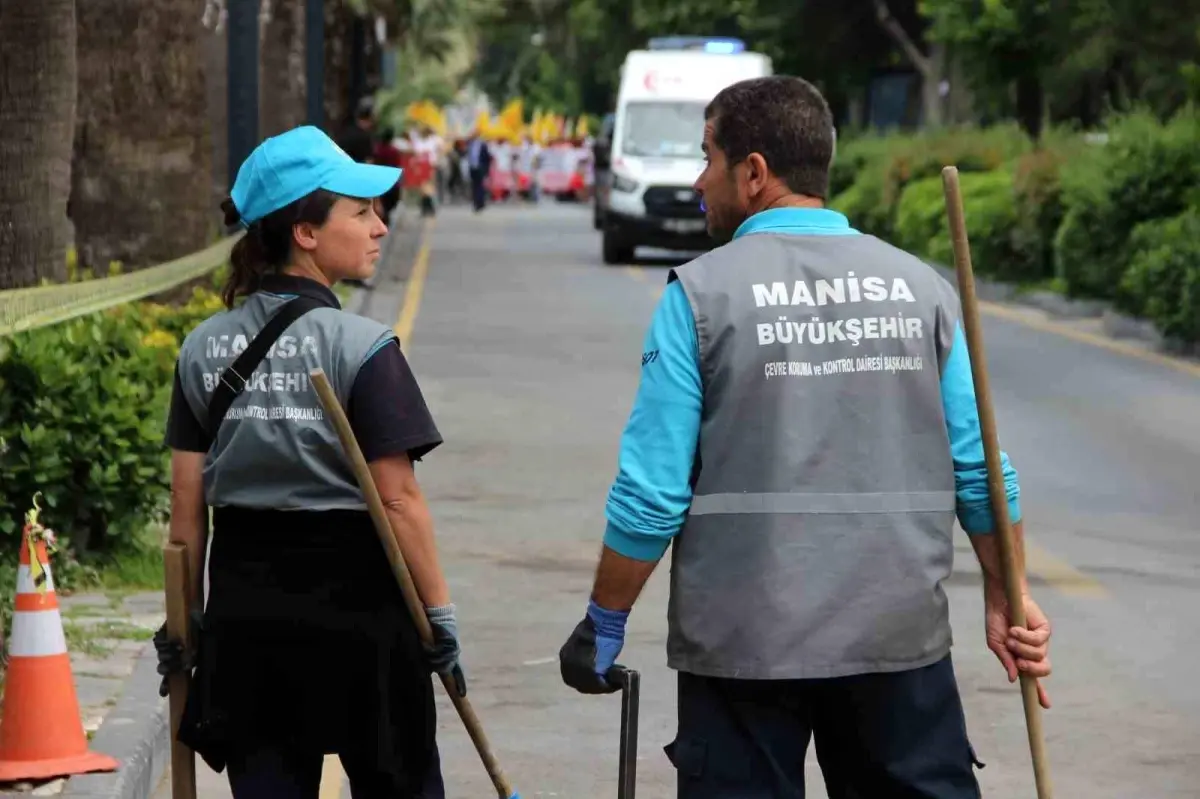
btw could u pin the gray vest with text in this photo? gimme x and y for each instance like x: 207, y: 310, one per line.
x: 276, y: 449
x: 821, y: 523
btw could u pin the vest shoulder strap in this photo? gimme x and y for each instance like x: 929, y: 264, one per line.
x: 236, y: 376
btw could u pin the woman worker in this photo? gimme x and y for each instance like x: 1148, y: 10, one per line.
x: 306, y: 647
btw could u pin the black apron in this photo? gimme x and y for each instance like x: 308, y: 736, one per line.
x: 307, y: 643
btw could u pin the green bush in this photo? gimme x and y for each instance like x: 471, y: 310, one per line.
x: 883, y: 167
x: 1146, y: 170
x: 989, y: 207
x: 82, y: 413
x: 855, y: 154
x: 863, y: 204
x: 1037, y: 189
x: 1162, y: 282
x: 920, y: 216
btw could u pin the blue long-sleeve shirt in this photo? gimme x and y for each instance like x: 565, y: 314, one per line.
x: 651, y: 494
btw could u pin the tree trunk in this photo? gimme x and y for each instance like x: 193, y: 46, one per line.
x: 338, y: 18
x: 140, y: 193
x: 37, y: 120
x: 932, y: 77
x: 216, y: 63
x: 1031, y: 106
x: 282, y: 93
x: 931, y: 67
x: 960, y: 102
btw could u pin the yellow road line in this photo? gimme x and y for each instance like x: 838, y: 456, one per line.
x: 416, y: 285
x: 331, y: 778
x: 637, y: 273
x: 1060, y: 575
x: 1113, y: 345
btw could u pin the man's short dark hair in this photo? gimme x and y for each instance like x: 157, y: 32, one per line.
x: 782, y: 118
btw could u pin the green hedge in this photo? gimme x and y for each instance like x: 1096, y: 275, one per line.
x: 1094, y: 218
x: 1162, y: 281
x: 82, y: 413
x: 991, y: 214
x: 870, y: 174
x: 1146, y: 171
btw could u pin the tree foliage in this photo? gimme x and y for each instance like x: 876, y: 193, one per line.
x: 1078, y: 59
x: 1036, y: 60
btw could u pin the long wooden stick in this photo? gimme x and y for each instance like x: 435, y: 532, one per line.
x: 416, y: 607
x: 991, y: 450
x: 179, y: 598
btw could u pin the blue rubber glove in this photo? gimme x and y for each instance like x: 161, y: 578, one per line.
x: 610, y: 635
x: 592, y: 649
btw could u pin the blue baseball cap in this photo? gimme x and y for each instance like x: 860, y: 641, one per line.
x: 284, y: 168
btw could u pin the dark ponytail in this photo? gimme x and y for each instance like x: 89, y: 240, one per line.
x: 267, y: 246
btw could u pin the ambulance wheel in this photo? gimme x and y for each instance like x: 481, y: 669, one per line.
x: 616, y: 250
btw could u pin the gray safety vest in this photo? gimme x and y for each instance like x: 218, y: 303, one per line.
x: 275, y: 448
x: 820, y: 528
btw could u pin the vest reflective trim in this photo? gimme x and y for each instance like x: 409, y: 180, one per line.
x: 905, y: 502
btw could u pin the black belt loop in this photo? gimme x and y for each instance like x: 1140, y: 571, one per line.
x: 227, y: 390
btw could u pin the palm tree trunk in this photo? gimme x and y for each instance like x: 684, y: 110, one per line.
x: 37, y: 120
x: 281, y: 75
x: 140, y: 193
x: 338, y: 19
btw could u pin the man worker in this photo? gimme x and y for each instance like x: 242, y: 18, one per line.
x: 804, y: 436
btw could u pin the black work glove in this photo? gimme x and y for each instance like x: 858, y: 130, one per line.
x: 173, y: 656
x: 443, y: 656
x: 577, y: 661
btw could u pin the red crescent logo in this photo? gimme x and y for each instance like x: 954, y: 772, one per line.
x: 649, y: 82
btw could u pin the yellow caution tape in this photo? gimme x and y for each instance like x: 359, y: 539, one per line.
x: 41, y: 306
x: 35, y: 532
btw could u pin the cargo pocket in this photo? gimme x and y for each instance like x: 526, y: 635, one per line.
x: 688, y: 756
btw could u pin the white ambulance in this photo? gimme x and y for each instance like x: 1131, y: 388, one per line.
x: 644, y: 194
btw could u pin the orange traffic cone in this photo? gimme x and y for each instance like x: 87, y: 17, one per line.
x: 41, y: 734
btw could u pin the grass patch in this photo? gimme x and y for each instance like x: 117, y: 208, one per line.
x: 140, y: 570
x: 96, y: 640
x: 137, y: 567
x: 121, y: 631
x: 82, y: 641
x: 89, y: 611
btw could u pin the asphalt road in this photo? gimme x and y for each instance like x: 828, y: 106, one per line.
x: 528, y: 349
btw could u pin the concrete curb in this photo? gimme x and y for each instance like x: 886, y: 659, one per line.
x: 136, y: 733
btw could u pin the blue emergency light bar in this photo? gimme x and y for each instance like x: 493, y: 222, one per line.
x: 709, y: 44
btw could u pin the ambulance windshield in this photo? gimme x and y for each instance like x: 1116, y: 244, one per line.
x: 664, y: 129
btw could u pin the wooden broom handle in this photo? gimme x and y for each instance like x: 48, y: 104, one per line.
x: 333, y: 409
x: 991, y: 450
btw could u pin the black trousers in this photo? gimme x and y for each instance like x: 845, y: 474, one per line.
x: 281, y: 774
x: 478, y: 191
x: 899, y: 735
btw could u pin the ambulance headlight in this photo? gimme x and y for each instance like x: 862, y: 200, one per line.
x: 624, y: 184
